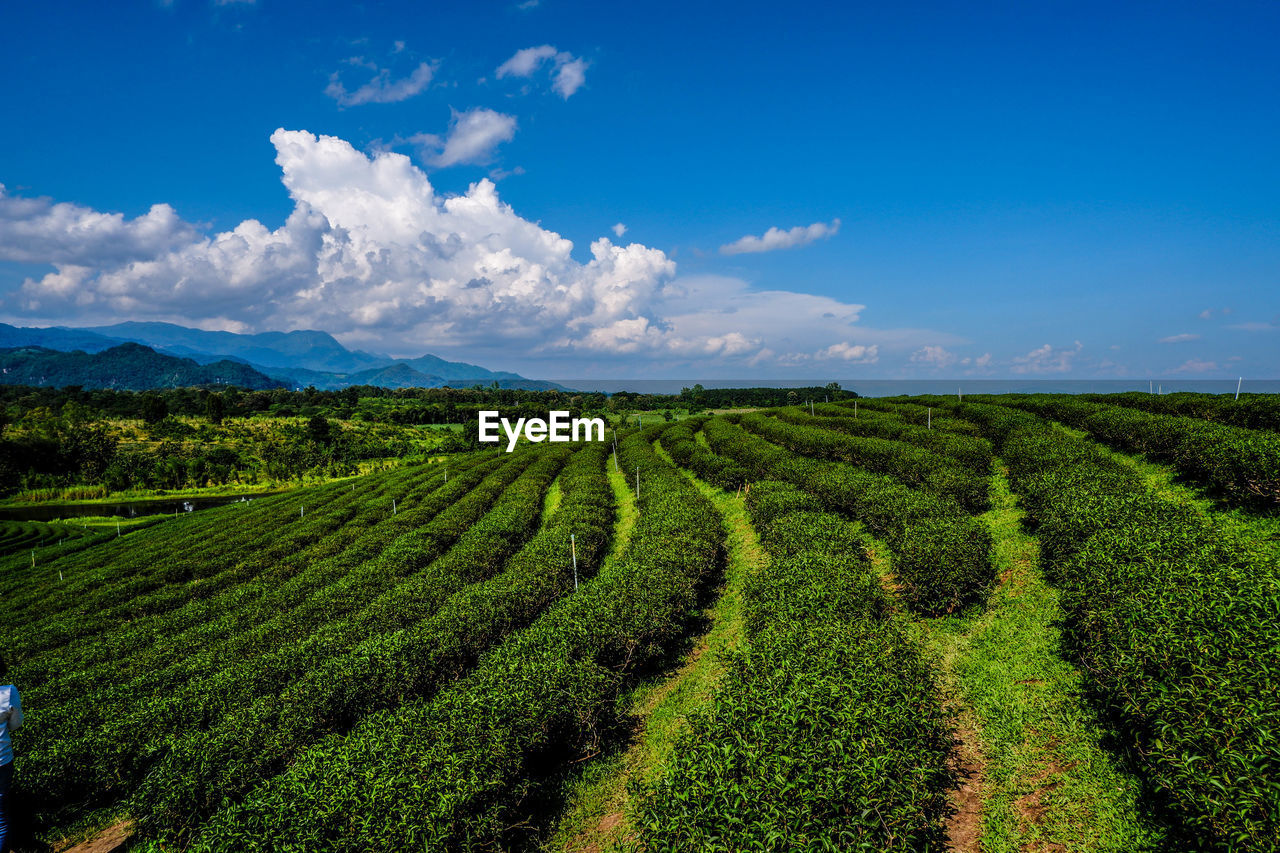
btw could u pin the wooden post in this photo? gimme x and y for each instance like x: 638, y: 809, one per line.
x: 573, y: 545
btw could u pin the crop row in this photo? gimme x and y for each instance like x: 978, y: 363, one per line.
x: 680, y: 442
x: 970, y: 451
x: 1252, y: 411
x: 461, y: 770
x: 110, y: 752
x: 213, y: 769
x: 828, y: 732
x: 1176, y: 626
x: 1241, y: 465
x: 110, y: 585
x: 942, y: 555
x: 189, y: 586
x: 912, y: 465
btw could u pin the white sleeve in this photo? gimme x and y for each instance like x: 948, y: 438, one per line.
x: 15, y: 709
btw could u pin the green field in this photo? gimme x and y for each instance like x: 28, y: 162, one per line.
x: 1004, y: 624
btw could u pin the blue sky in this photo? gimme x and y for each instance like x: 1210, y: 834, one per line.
x: 1067, y: 190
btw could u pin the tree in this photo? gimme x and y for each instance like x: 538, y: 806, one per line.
x: 216, y: 408
x: 319, y: 430
x: 154, y: 409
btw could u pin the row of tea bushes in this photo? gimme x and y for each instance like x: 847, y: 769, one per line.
x: 827, y: 733
x: 464, y: 769
x: 1252, y: 411
x: 915, y: 466
x: 1175, y: 624
x: 214, y: 768
x: 1240, y: 465
x: 942, y: 555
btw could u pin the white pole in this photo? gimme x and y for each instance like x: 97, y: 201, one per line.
x: 930, y: 413
x: 393, y: 506
x: 959, y: 396
x: 615, y: 459
x: 302, y: 511
x: 810, y: 408
x: 573, y: 545
x: 1239, y: 382
x: 637, y: 483
x: 117, y: 529
x: 1150, y: 387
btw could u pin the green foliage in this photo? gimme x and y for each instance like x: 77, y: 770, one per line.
x: 1240, y: 465
x: 827, y: 733
x: 459, y: 770
x: 912, y: 465
x: 1176, y: 627
x: 942, y: 556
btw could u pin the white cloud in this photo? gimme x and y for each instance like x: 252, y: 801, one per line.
x: 527, y: 5
x: 934, y: 356
x: 36, y: 230
x: 1046, y: 359
x: 1255, y: 327
x: 1205, y: 314
x: 382, y: 89
x: 1193, y: 365
x: 776, y: 238
x: 568, y: 75
x: 852, y: 353
x: 472, y: 137
x: 374, y: 255
x: 1179, y: 339
x: 619, y: 229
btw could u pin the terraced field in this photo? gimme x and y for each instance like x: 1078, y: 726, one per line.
x: 1008, y: 623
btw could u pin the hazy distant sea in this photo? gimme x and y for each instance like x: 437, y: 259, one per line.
x: 894, y: 387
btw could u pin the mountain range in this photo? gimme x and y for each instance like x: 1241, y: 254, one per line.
x: 290, y: 359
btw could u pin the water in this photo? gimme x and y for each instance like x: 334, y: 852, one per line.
x: 894, y: 387
x: 124, y: 509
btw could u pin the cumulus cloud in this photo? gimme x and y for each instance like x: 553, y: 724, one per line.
x: 1179, y: 339
x: 472, y: 137
x: 568, y: 72
x: 1046, y: 359
x: 935, y: 357
x: 776, y: 238
x: 36, y: 230
x: 619, y: 229
x: 382, y: 89
x: 372, y: 253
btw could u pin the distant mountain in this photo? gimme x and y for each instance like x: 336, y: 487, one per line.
x: 294, y: 359
x: 56, y: 337
x: 312, y: 350
x: 128, y: 367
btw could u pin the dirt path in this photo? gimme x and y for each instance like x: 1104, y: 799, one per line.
x: 1039, y: 779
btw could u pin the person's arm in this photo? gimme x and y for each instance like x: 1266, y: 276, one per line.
x: 15, y: 709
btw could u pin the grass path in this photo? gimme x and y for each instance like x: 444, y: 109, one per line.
x: 1040, y: 779
x: 597, y: 816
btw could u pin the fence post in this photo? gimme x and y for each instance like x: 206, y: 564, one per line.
x: 573, y: 546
